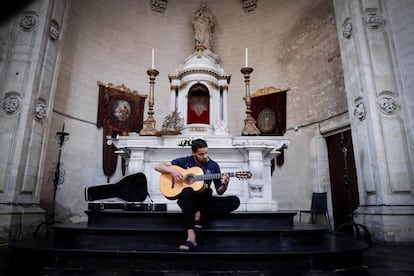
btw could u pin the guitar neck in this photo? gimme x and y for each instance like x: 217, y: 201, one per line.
x: 211, y: 176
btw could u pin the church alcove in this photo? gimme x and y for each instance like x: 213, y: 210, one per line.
x: 198, y: 110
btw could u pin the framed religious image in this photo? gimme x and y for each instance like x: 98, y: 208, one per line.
x: 266, y: 120
x: 269, y: 110
x: 120, y: 111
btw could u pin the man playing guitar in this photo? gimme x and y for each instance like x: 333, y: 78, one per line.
x: 197, y: 205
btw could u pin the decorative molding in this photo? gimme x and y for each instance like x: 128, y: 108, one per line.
x: 387, y: 103
x: 360, y: 110
x: 190, y: 71
x: 28, y: 21
x: 159, y: 5
x: 249, y: 5
x: 372, y: 20
x: 11, y: 103
x: 40, y: 109
x: 268, y: 90
x: 121, y: 87
x: 347, y: 28
x: 54, y: 30
x: 220, y: 127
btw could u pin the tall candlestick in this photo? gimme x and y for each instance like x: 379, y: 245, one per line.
x: 247, y: 56
x: 249, y: 123
x: 149, y: 123
x: 152, y: 59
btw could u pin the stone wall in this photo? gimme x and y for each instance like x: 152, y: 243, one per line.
x: 29, y: 62
x: 53, y: 54
x: 374, y: 49
x: 291, y: 44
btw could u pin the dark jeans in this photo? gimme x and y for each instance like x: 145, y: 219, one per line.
x: 209, y: 206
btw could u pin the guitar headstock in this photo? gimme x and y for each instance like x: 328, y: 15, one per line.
x: 243, y: 175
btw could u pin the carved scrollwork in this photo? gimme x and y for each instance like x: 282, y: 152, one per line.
x: 54, y: 30
x: 159, y: 5
x: 40, y: 109
x: 387, y: 104
x: 360, y: 111
x: 11, y: 103
x: 373, y: 20
x: 347, y: 28
x: 249, y: 5
x: 28, y: 21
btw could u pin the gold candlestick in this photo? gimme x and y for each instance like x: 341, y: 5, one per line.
x: 249, y: 123
x: 149, y: 124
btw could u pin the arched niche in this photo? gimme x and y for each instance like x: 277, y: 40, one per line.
x: 199, y: 90
x: 198, y: 105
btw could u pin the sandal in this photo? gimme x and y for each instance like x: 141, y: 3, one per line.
x: 187, y: 246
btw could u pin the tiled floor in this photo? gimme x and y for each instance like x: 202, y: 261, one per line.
x: 379, y: 259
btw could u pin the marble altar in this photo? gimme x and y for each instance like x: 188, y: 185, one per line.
x: 233, y: 153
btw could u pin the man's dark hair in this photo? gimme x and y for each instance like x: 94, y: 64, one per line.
x: 198, y: 144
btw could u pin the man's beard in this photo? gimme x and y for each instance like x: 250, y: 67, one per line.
x: 202, y: 161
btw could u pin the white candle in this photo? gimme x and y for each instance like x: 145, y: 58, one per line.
x: 247, y: 56
x: 152, y: 59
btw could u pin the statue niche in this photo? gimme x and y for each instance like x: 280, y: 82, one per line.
x: 203, y: 21
x: 198, y: 111
x: 199, y: 86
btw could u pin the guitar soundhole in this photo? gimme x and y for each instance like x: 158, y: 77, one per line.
x: 189, y: 179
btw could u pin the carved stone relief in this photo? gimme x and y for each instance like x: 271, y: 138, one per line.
x: 372, y: 19
x: 360, y: 110
x: 11, y: 103
x: 159, y: 5
x: 40, y: 109
x: 28, y: 21
x: 387, y: 103
x: 347, y: 28
x: 249, y: 5
x: 54, y: 30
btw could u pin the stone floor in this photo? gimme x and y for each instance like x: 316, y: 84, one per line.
x: 389, y: 260
x: 380, y: 259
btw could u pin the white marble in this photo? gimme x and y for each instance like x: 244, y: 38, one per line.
x: 240, y: 153
x: 201, y: 67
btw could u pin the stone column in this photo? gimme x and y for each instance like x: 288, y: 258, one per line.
x: 31, y: 40
x: 379, y: 103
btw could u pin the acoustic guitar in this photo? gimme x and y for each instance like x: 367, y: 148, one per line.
x: 193, y: 178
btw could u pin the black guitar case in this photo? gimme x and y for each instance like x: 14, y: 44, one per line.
x: 131, y: 188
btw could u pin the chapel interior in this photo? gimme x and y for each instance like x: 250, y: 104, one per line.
x: 312, y: 98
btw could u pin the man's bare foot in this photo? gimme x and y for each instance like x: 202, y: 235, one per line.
x: 187, y: 246
x: 197, y: 219
x: 190, y: 243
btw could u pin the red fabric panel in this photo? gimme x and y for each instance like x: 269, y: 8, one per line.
x: 198, y: 109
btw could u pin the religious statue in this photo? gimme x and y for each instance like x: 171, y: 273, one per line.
x: 203, y: 21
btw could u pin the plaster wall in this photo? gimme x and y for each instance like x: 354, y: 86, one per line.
x: 291, y: 44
